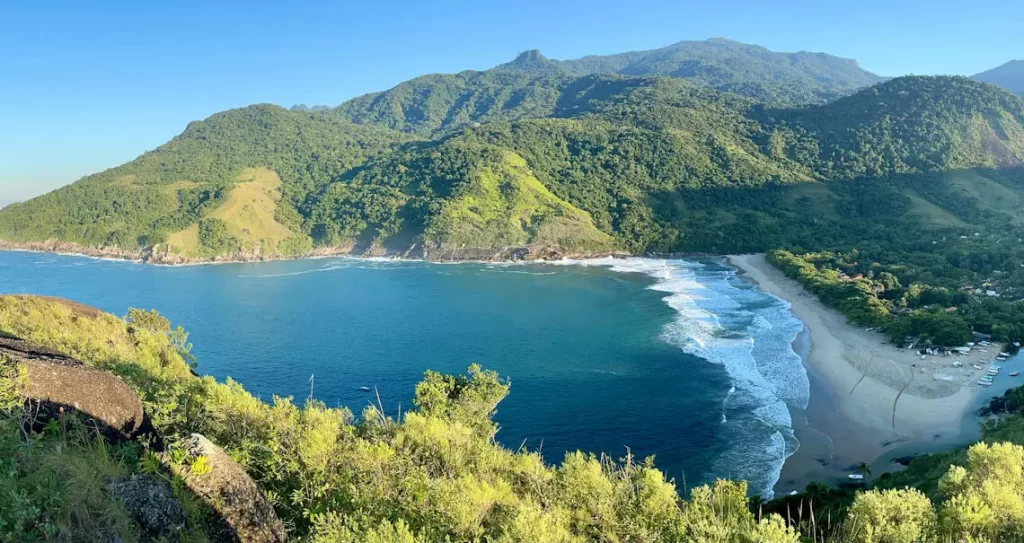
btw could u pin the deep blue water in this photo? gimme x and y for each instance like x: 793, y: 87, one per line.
x: 677, y: 359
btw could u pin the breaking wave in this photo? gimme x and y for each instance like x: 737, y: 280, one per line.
x: 724, y: 320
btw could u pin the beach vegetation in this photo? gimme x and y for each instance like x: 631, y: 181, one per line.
x: 433, y: 473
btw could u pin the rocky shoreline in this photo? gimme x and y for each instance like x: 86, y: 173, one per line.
x: 416, y: 252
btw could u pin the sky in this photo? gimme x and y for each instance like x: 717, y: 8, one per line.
x: 86, y: 86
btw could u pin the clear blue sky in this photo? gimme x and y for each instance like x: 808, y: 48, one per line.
x: 88, y: 85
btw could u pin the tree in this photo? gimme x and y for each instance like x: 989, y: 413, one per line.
x: 890, y: 516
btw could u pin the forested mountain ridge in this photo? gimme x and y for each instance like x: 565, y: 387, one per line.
x: 1010, y: 76
x: 725, y: 65
x: 472, y: 164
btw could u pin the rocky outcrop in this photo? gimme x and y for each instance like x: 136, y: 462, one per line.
x: 56, y: 383
x: 150, y: 501
x: 418, y: 251
x: 243, y: 513
x: 503, y: 254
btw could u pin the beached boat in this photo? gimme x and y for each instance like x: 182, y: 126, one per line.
x: 978, y: 366
x: 985, y: 383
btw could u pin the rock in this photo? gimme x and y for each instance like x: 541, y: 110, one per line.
x: 18, y: 349
x: 244, y: 513
x: 151, y: 502
x: 57, y: 383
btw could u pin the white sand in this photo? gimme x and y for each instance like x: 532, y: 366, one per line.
x: 868, y: 373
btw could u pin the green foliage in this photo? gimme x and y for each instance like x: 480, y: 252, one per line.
x: 937, y: 314
x: 890, y: 516
x: 213, y: 234
x: 657, y: 163
x: 435, y: 474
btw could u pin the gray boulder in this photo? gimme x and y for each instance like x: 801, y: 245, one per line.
x: 244, y: 514
x: 57, y: 383
x: 152, y: 504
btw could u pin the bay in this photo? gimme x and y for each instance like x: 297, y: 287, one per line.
x: 677, y: 359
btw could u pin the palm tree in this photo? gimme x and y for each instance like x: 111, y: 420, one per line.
x: 864, y: 469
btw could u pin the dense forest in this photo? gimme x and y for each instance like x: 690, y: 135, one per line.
x: 574, y: 164
x: 431, y: 473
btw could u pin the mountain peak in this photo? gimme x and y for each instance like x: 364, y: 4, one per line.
x: 1010, y: 76
x: 530, y: 56
x: 532, y: 61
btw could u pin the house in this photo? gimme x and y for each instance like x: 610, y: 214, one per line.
x: 991, y: 294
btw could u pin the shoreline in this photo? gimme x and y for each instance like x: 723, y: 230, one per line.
x: 524, y: 254
x: 855, y: 402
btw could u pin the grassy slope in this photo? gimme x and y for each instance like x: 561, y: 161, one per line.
x: 248, y: 212
x: 505, y: 205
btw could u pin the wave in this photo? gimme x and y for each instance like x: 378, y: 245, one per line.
x: 725, y: 321
x: 337, y: 263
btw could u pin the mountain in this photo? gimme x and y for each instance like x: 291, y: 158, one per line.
x: 1010, y: 76
x: 473, y: 165
x: 721, y: 64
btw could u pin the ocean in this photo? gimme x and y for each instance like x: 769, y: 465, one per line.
x: 678, y: 359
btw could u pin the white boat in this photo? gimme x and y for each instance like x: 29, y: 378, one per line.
x: 985, y: 383
x: 1014, y: 373
x: 977, y: 366
x: 1004, y: 354
x: 364, y: 389
x: 856, y: 476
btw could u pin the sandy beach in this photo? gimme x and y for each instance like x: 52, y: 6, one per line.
x: 886, y: 396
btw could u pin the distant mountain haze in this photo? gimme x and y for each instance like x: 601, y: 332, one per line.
x: 1010, y: 76
x: 722, y: 64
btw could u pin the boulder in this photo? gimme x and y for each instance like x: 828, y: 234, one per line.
x: 244, y: 514
x: 57, y: 383
x: 150, y: 501
x: 18, y: 349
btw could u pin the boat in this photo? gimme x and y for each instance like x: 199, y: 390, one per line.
x: 985, y: 383
x: 364, y: 389
x: 1004, y: 354
x: 1014, y: 373
x: 977, y: 366
x: 856, y: 476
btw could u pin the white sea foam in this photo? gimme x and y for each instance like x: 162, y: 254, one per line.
x: 337, y: 263
x: 725, y: 321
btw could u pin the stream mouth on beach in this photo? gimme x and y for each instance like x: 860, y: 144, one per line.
x: 678, y: 359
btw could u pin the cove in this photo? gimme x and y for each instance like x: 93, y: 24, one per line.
x: 671, y: 358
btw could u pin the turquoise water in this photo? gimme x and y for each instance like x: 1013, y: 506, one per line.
x: 675, y: 359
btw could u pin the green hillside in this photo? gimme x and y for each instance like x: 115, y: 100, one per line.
x: 482, y: 161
